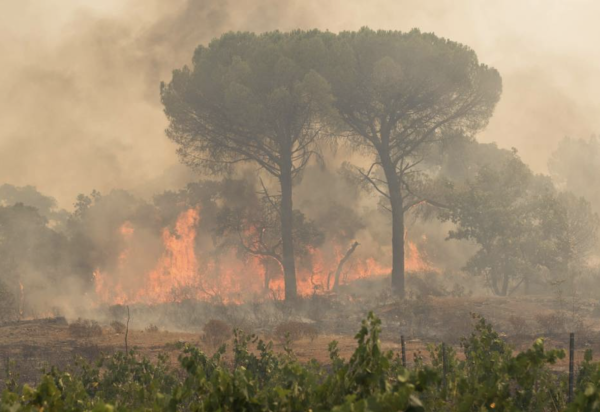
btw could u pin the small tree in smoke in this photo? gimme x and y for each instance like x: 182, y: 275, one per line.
x: 254, y: 99
x: 94, y: 228
x: 33, y: 256
x: 250, y: 221
x: 395, y: 93
x: 521, y: 225
x: 502, y: 213
x: 574, y: 225
x: 575, y: 166
x: 29, y: 195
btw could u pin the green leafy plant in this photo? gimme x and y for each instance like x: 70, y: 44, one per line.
x: 482, y: 375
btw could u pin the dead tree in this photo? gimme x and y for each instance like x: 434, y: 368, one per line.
x: 338, y: 272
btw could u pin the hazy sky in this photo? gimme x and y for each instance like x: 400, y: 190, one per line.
x: 79, y: 84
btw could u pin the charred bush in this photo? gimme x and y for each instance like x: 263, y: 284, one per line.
x: 216, y: 332
x: 427, y: 284
x: 293, y: 331
x: 459, y: 291
x: 518, y: 324
x: 318, y: 307
x: 551, y: 323
x: 88, y: 352
x: 85, y: 328
x: 265, y: 316
x: 151, y: 328
x: 118, y: 312
x: 118, y: 327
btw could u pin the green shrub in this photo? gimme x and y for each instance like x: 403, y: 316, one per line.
x: 489, y: 377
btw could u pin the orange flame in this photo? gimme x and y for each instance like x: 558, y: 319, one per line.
x: 178, y: 267
x: 182, y: 273
x: 414, y: 260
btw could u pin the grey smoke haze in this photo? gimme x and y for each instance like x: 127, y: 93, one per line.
x: 79, y: 81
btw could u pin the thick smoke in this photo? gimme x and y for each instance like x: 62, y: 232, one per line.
x: 80, y: 79
x: 81, y: 109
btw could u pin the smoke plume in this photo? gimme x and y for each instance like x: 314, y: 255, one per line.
x: 81, y: 110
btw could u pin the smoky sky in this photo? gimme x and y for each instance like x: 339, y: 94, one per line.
x: 79, y: 85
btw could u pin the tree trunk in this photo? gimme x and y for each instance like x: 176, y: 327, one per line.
x: 397, y: 207
x: 287, y: 236
x: 494, y: 284
x: 505, y: 282
x: 266, y: 266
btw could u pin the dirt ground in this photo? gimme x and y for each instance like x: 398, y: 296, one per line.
x: 34, y: 344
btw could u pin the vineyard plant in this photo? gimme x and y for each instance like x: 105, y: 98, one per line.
x: 489, y: 377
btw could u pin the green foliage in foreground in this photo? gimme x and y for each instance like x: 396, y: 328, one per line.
x: 490, y: 377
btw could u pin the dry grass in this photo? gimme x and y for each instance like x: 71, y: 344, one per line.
x: 85, y: 328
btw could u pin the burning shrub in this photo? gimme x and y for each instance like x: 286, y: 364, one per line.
x: 216, y: 333
x: 294, y: 331
x: 118, y: 327
x: 85, y: 328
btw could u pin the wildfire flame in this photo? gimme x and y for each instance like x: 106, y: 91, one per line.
x: 178, y: 267
x: 415, y: 262
x: 181, y: 272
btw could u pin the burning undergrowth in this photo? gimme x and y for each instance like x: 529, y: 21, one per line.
x: 219, y: 241
x: 333, y: 312
x: 216, y: 242
x: 228, y: 274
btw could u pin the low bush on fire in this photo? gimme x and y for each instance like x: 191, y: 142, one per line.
x: 490, y: 377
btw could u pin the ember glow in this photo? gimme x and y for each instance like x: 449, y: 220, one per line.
x: 184, y: 272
